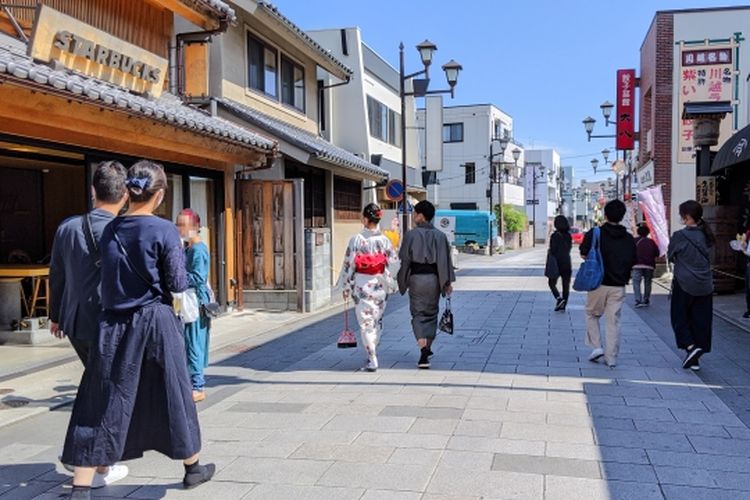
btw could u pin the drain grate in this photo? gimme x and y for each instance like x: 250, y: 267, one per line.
x: 10, y: 404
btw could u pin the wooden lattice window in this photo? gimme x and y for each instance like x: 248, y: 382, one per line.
x: 347, y: 199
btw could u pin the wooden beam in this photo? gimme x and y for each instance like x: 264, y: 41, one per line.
x: 268, y: 263
x: 44, y: 116
x: 196, y: 17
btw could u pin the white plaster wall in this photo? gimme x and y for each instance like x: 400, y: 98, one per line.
x: 699, y: 26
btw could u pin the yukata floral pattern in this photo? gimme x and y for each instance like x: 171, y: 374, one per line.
x: 369, y: 291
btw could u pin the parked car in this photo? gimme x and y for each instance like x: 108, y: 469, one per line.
x: 576, y: 234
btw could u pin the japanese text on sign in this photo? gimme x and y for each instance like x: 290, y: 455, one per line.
x: 625, y: 109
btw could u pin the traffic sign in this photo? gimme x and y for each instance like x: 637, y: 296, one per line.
x: 532, y: 202
x: 394, y: 190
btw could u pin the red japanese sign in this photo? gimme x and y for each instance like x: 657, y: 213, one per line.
x: 625, y: 109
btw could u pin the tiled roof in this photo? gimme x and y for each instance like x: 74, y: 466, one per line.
x: 317, y: 146
x: 274, y: 11
x: 167, y: 108
x: 219, y: 9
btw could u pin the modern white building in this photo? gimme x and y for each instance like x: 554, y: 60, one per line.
x: 364, y: 115
x: 464, y: 181
x: 567, y: 182
x: 542, y: 176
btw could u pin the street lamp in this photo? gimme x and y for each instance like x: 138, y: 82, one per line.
x: 605, y: 154
x: 607, y: 112
x: 588, y: 122
x: 594, y: 164
x: 503, y: 142
x: 452, y: 69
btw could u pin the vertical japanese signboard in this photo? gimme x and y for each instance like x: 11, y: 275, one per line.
x: 706, y: 74
x: 625, y: 109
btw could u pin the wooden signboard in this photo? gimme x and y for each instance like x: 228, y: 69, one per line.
x: 76, y: 45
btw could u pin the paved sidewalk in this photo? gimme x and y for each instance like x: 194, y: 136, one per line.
x: 510, y: 409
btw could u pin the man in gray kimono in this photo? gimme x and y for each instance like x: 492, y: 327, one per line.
x: 426, y: 272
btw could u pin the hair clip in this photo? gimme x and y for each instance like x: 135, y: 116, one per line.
x: 139, y: 182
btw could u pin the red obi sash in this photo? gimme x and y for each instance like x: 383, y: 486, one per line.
x: 370, y: 263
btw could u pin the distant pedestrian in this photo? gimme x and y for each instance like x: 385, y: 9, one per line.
x: 692, y: 285
x: 558, y: 261
x: 646, y: 251
x: 197, y: 332
x: 618, y: 255
x: 426, y: 272
x: 135, y: 393
x: 367, y: 276
x: 75, y: 278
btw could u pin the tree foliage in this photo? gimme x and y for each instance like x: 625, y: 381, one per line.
x: 515, y: 220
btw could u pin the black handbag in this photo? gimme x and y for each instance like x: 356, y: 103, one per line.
x: 212, y: 309
x: 551, y: 269
x: 446, y: 320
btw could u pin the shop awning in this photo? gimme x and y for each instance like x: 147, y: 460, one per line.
x: 215, y: 140
x: 313, y: 144
x: 735, y: 151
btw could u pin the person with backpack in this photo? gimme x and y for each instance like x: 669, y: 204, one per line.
x: 692, y: 285
x: 558, y: 261
x: 617, y: 250
x: 646, y: 253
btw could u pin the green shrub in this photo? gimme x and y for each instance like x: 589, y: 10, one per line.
x: 515, y: 220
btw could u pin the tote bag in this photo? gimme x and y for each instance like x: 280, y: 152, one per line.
x: 591, y: 272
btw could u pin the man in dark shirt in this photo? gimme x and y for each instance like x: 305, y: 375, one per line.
x: 617, y: 248
x: 74, y: 276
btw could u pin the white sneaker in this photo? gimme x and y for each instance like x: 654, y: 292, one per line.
x: 115, y: 473
x: 596, y: 355
x: 372, y: 364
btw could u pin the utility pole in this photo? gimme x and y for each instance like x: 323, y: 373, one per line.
x: 492, y: 181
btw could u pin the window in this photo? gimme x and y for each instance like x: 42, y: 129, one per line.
x: 292, y: 84
x: 347, y: 199
x: 314, y: 191
x: 385, y: 124
x: 453, y: 132
x: 470, y: 173
x: 262, y: 67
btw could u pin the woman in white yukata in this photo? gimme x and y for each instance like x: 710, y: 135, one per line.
x: 368, y: 276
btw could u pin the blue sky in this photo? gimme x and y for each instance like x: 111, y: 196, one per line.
x: 547, y: 63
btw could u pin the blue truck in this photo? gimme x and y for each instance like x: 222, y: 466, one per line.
x: 472, y: 226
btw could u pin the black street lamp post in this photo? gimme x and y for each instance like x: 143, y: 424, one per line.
x: 419, y: 89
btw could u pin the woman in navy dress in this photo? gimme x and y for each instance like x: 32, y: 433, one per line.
x: 135, y: 394
x: 197, y: 332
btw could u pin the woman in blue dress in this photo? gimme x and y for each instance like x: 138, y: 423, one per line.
x: 196, y: 333
x: 135, y: 394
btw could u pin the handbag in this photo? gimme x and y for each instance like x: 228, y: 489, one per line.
x: 591, y: 273
x: 190, y: 308
x: 551, y: 269
x: 446, y: 320
x: 211, y: 309
x: 347, y: 339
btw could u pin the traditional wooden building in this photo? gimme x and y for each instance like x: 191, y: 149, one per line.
x: 87, y: 80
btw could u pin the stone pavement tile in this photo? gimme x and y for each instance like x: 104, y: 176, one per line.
x: 505, y: 416
x: 593, y: 422
x: 661, y: 403
x: 278, y: 421
x: 274, y: 470
x: 546, y: 465
x: 721, y: 446
x: 464, y: 483
x: 34, y: 489
x: 415, y: 456
x: 645, y: 440
x: 393, y: 399
x: 510, y: 446
x: 445, y: 426
x: 684, y: 476
x: 681, y: 428
x: 616, y: 471
x: 160, y: 468
x: 322, y: 437
x: 287, y: 492
x: 352, y: 409
x: 471, y: 460
x: 344, y: 453
x: 694, y: 416
x: 494, y: 402
x: 732, y: 480
x: 422, y: 412
x: 364, y: 423
x: 700, y: 461
x: 673, y: 492
x: 403, y: 440
x: 623, y: 391
x: 573, y: 488
x: 482, y: 428
x: 268, y: 449
x: 320, y: 397
x: 659, y: 414
x: 24, y: 472
x: 448, y: 401
x: 16, y: 453
x: 398, y: 477
x: 210, y: 433
x: 552, y: 433
x: 600, y: 453
x: 738, y: 432
x: 390, y: 495
x: 548, y: 407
